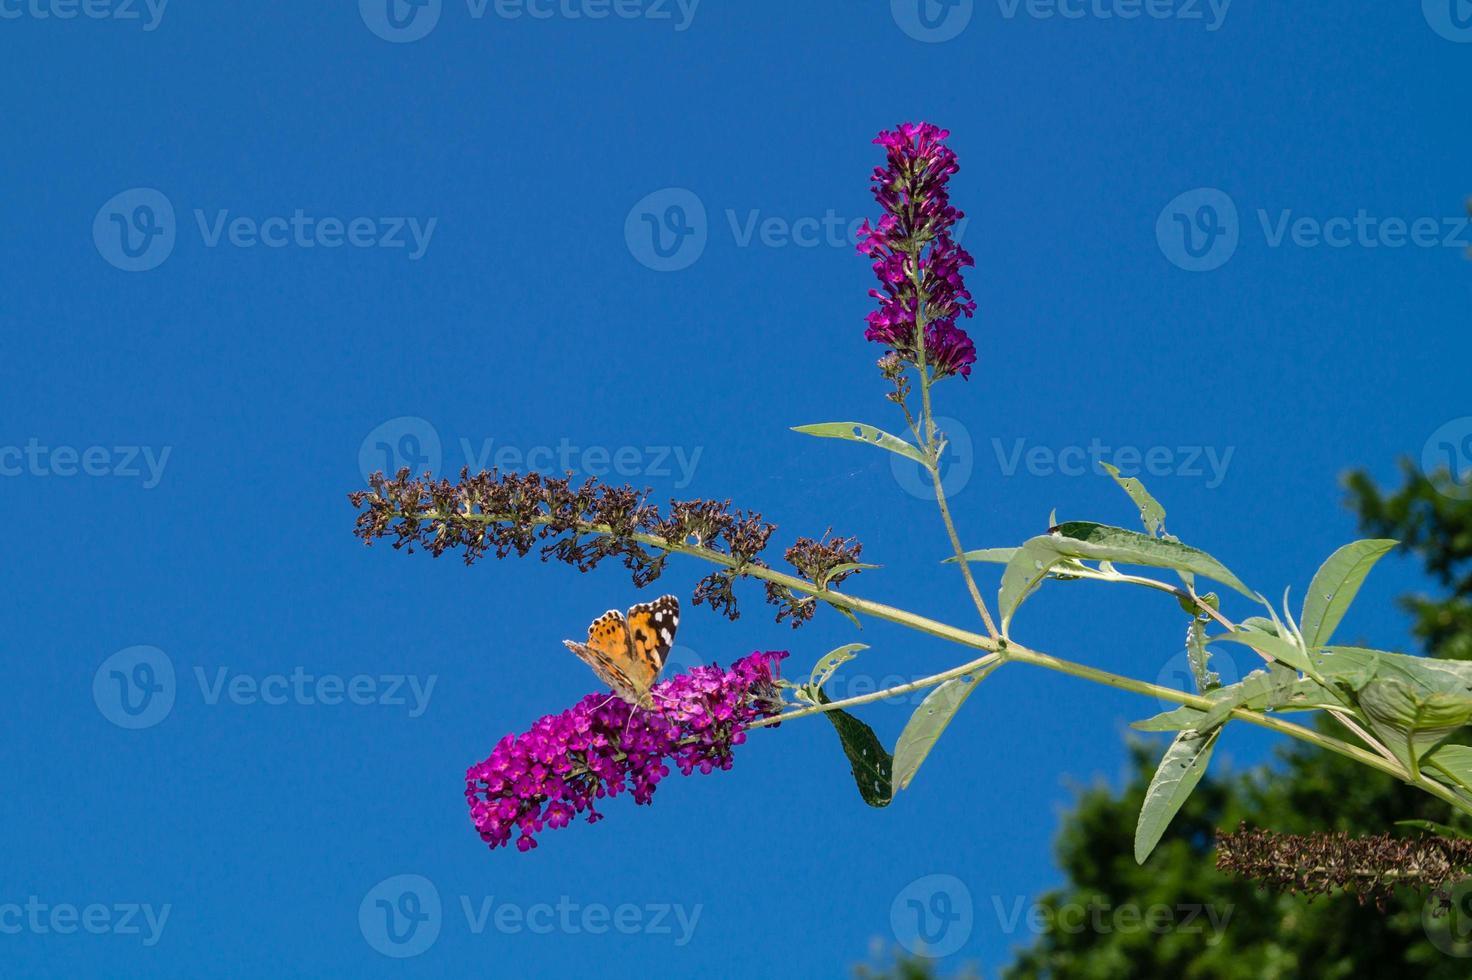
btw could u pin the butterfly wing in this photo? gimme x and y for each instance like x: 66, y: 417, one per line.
x: 652, y: 628
x: 627, y: 654
x: 609, y: 653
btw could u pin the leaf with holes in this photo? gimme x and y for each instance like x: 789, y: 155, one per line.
x: 859, y: 432
x: 1085, y: 539
x: 1336, y: 584
x: 1180, y: 770
x: 927, y: 724
x: 872, y: 767
x: 1152, y: 515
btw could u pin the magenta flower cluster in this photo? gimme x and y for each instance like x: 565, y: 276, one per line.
x: 602, y: 746
x: 913, y: 243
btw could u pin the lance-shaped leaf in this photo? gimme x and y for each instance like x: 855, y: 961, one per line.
x: 1180, y: 770
x: 1283, y: 651
x: 872, y: 766
x: 1085, y: 539
x: 831, y: 661
x: 1025, y: 572
x: 859, y: 432
x: 1152, y: 515
x: 927, y: 724
x: 999, y: 556
x: 1336, y: 584
x: 1432, y: 827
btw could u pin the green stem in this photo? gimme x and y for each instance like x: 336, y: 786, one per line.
x: 1003, y: 650
x: 981, y: 665
x: 932, y: 451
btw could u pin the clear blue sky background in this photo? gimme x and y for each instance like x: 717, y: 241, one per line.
x: 530, y: 319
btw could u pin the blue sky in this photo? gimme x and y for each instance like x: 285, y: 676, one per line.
x: 340, y: 234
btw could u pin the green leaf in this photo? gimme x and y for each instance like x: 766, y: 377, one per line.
x: 1353, y: 667
x: 859, y: 432
x: 836, y: 570
x: 872, y: 766
x: 1455, y: 761
x: 1283, y: 651
x: 925, y: 726
x: 1152, y: 515
x: 1180, y: 770
x: 1199, y: 658
x: 1336, y: 584
x: 999, y: 556
x: 1432, y: 827
x: 1103, y: 542
x: 1175, y: 720
x: 1024, y: 572
x: 831, y: 661
x: 1411, y: 720
x: 1274, y: 689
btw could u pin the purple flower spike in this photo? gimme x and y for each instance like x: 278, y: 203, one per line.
x: 913, y: 240
x: 544, y: 777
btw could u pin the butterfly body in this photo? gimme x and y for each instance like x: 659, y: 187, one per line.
x: 628, y: 651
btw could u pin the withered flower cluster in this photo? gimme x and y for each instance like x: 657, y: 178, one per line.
x: 1370, y: 867
x: 514, y: 513
x: 824, y: 562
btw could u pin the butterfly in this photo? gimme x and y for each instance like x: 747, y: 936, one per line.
x: 627, y: 651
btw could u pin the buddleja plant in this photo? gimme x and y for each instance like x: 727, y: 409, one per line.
x: 1393, y: 712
